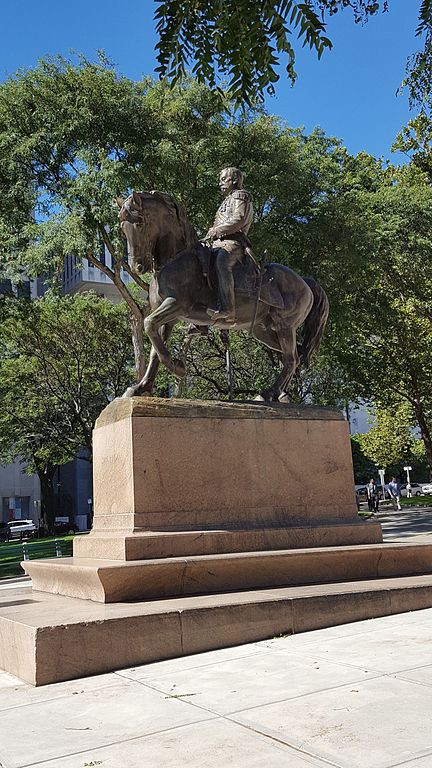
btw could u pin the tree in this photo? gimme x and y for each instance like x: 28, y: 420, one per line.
x: 244, y: 41
x: 61, y: 361
x: 384, y: 346
x: 418, y: 80
x: 390, y: 440
x: 72, y: 136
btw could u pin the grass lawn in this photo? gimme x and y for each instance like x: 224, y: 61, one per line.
x: 417, y: 501
x: 11, y: 553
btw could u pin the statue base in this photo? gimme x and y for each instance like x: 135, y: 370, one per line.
x: 176, y: 477
x: 215, y: 524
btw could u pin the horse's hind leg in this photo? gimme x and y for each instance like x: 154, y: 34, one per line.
x: 166, y: 313
x: 268, y: 337
x: 290, y: 360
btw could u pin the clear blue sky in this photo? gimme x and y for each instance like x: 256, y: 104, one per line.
x: 350, y: 93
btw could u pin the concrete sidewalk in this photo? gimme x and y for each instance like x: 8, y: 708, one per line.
x: 411, y: 524
x: 353, y: 696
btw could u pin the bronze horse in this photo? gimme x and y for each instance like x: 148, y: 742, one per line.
x: 161, y: 240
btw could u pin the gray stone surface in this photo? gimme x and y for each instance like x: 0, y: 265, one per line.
x: 352, y: 696
x: 412, y: 524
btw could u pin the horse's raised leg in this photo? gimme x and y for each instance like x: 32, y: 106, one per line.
x: 290, y: 361
x: 145, y: 386
x: 166, y: 313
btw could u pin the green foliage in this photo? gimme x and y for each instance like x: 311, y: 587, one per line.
x: 418, y: 68
x: 243, y: 41
x: 61, y: 361
x: 391, y: 444
x: 73, y: 135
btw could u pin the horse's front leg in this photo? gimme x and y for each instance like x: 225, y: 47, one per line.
x: 145, y: 386
x: 166, y: 313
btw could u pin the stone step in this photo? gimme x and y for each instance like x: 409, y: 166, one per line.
x: 142, y: 545
x: 96, y: 638
x: 112, y: 581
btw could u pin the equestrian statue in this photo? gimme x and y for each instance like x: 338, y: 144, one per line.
x: 217, y: 282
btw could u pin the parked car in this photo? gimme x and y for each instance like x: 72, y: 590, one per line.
x: 361, y: 492
x: 19, y: 529
x: 62, y: 528
x: 427, y: 489
x: 416, y: 489
x: 4, y: 532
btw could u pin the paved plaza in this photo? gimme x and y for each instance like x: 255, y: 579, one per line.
x: 351, y: 696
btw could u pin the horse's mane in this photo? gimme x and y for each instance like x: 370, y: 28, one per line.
x: 174, y: 208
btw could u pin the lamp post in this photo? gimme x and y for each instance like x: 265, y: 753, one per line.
x: 89, y: 504
x: 37, y: 513
x: 408, y: 470
x: 381, y: 474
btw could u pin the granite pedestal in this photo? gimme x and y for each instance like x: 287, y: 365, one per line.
x: 176, y: 479
x: 214, y: 524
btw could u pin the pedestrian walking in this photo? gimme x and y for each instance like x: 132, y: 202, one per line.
x: 395, y: 492
x: 409, y: 490
x: 372, y: 495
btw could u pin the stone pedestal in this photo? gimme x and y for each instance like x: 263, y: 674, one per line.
x: 176, y: 479
x: 215, y: 524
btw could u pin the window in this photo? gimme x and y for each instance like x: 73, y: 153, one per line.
x: 23, y: 290
x: 15, y: 508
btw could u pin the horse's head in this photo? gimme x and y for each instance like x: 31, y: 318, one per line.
x: 141, y: 225
x: 156, y: 228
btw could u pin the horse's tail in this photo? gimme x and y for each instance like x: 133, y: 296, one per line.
x: 315, y: 322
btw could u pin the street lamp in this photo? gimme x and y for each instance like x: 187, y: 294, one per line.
x: 381, y: 474
x: 408, y: 470
x: 89, y: 503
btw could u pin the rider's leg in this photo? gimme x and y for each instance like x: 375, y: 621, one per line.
x: 225, y: 262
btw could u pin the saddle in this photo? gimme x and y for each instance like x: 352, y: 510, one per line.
x: 247, y: 276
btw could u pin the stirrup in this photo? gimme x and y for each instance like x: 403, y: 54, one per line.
x: 221, y: 314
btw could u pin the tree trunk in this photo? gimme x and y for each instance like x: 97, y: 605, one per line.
x: 137, y: 325
x: 425, y: 432
x: 137, y: 319
x: 46, y: 475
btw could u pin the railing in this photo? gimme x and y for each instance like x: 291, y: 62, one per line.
x: 11, y: 555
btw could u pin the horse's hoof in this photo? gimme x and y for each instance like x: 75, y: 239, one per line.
x: 266, y: 396
x: 130, y: 392
x: 136, y: 391
x: 179, y: 369
x: 284, y: 398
